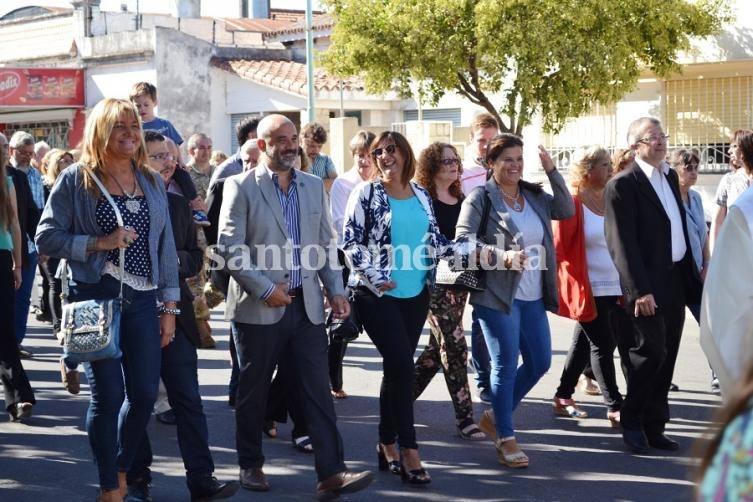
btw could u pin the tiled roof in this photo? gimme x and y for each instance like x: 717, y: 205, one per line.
x: 319, y: 23
x: 280, y: 25
x: 257, y: 25
x: 285, y: 75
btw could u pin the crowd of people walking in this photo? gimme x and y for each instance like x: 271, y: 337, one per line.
x: 622, y: 248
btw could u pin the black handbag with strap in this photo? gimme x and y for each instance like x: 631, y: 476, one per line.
x: 469, y: 279
x: 348, y: 329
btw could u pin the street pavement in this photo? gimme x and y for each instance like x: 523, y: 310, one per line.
x: 48, y: 459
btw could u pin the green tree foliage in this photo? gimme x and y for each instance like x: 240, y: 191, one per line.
x: 554, y: 57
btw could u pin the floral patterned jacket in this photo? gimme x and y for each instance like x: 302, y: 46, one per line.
x: 370, y: 254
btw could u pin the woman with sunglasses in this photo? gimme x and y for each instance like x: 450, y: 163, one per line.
x: 391, y: 240
x: 439, y: 171
x: 685, y: 163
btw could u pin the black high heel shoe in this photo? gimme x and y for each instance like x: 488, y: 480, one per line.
x: 414, y: 476
x: 394, y: 466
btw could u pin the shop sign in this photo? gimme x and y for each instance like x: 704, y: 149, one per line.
x: 41, y: 87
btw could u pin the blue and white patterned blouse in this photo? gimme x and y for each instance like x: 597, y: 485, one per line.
x: 370, y: 256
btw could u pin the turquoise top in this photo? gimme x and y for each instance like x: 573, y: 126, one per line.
x: 6, y: 238
x: 408, y: 228
x: 729, y: 477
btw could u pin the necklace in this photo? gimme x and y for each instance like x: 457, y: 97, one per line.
x: 594, y: 202
x: 133, y: 205
x: 516, y: 206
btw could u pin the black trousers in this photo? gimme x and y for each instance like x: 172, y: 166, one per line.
x: 337, y: 348
x: 651, y: 348
x: 15, y: 382
x: 594, y: 342
x: 259, y: 348
x: 395, y: 325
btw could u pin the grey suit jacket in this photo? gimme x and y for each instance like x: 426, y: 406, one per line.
x: 502, y: 284
x: 252, y: 239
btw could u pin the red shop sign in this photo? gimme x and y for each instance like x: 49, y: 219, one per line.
x: 41, y: 87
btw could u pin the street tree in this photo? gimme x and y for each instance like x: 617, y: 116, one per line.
x: 554, y: 57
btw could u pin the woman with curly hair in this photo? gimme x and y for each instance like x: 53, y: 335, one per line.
x: 589, y: 287
x: 439, y: 170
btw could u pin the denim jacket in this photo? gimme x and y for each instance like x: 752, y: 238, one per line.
x: 69, y: 219
x: 369, y: 255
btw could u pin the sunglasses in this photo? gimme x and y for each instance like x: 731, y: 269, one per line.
x: 450, y: 162
x: 378, y: 152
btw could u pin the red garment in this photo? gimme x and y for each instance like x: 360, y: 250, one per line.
x: 573, y: 285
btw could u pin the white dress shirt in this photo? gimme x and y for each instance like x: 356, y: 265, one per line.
x: 658, y: 179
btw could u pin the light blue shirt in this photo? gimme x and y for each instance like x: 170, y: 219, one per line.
x: 697, y: 230
x: 409, y: 225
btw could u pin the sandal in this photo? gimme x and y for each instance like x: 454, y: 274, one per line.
x: 70, y: 378
x: 303, y: 444
x: 487, y: 424
x: 413, y: 476
x: 516, y: 460
x: 470, y: 431
x: 587, y: 386
x: 614, y: 418
x: 270, y: 428
x: 394, y: 466
x: 567, y: 408
x: 339, y: 394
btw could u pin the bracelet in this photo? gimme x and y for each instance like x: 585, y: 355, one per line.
x: 167, y: 310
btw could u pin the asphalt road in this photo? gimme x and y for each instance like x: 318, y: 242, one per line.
x: 47, y: 459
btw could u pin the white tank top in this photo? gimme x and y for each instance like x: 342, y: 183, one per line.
x: 602, y: 273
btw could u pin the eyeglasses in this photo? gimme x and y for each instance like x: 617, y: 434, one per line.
x: 379, y: 151
x: 653, y: 138
x: 691, y: 167
x: 162, y: 156
x: 450, y: 162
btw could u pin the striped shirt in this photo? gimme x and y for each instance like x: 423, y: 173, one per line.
x: 323, y: 167
x: 289, y: 205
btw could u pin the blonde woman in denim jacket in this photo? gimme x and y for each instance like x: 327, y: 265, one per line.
x: 79, y: 224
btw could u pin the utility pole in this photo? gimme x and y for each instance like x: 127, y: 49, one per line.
x: 310, y: 59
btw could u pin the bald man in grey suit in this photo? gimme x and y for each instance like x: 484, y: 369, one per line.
x: 269, y: 216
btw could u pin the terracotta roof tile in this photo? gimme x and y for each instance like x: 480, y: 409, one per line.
x: 285, y: 75
x: 257, y: 25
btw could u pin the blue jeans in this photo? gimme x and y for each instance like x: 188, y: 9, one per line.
x: 479, y: 353
x: 23, y: 296
x: 123, y: 391
x: 524, y: 331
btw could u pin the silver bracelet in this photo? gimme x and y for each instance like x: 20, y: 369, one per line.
x: 166, y: 310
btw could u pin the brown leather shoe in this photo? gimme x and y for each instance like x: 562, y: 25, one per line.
x: 254, y: 479
x: 343, y: 482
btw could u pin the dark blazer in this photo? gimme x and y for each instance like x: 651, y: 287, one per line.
x: 638, y: 235
x: 190, y: 259
x: 28, y: 213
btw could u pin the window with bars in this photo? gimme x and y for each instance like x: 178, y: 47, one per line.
x: 54, y: 133
x: 697, y: 113
x: 703, y: 113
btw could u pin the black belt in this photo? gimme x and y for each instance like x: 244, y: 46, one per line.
x: 295, y: 291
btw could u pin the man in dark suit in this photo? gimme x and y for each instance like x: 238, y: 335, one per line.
x: 179, y: 360
x: 270, y: 215
x: 648, y: 241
